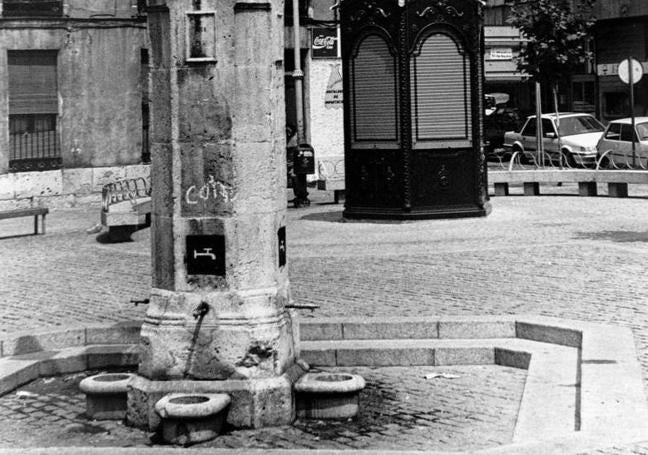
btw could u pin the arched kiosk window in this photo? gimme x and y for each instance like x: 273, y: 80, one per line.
x: 373, y: 87
x: 440, y: 84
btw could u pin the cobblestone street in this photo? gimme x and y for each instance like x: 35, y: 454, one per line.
x: 560, y: 255
x: 476, y: 408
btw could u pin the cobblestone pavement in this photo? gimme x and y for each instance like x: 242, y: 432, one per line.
x: 476, y: 408
x: 560, y: 255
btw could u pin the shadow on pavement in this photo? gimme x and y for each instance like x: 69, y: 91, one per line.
x: 614, y: 236
x: 336, y: 217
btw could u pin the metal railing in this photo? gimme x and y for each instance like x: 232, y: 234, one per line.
x: 525, y: 160
x: 124, y: 190
x: 34, y: 150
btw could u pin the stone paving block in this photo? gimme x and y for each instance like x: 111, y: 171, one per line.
x: 548, y: 334
x: 549, y: 404
x: 511, y: 358
x: 117, y: 355
x: 476, y: 328
x: 385, y: 357
x: 612, y: 389
x: 14, y: 373
x: 309, y: 330
x: 55, y: 339
x: 127, y: 332
x: 376, y: 329
x: 315, y: 357
x: 7, y: 186
x: 464, y: 356
x: 71, y: 360
x: 38, y: 183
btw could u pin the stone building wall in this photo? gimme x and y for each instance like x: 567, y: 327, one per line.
x: 99, y: 89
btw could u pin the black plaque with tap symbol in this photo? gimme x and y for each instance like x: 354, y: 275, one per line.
x: 206, y: 255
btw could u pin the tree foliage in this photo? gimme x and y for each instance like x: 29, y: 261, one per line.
x: 556, y: 36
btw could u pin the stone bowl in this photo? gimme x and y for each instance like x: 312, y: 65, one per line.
x: 328, y: 395
x: 106, y: 395
x: 189, y: 418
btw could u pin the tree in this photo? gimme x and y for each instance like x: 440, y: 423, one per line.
x: 556, y: 38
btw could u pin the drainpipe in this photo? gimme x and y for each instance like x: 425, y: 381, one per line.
x: 298, y: 74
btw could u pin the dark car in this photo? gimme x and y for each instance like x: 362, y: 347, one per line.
x: 501, y: 119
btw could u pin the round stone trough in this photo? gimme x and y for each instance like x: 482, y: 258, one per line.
x: 328, y: 395
x: 106, y: 395
x: 189, y: 418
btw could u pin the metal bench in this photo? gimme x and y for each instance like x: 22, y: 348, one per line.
x: 18, y: 213
x: 126, y: 207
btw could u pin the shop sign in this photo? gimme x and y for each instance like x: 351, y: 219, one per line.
x: 324, y: 42
x: 612, y: 69
x: 334, y: 95
x: 501, y: 53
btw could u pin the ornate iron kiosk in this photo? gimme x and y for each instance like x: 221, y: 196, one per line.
x: 413, y: 75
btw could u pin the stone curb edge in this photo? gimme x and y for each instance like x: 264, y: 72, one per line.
x: 607, y: 360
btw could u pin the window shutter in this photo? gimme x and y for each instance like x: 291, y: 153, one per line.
x: 440, y: 91
x: 374, y: 92
x: 32, y: 82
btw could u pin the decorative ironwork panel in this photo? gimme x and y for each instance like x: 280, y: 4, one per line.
x: 374, y: 179
x: 439, y: 178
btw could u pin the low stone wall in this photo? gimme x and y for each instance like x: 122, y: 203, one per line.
x: 62, y: 187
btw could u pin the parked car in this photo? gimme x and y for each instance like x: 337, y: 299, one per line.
x: 615, y: 146
x: 499, y: 121
x: 579, y: 134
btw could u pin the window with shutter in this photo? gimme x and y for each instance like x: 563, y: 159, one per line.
x: 33, y: 109
x: 440, y: 86
x: 32, y: 82
x: 374, y: 94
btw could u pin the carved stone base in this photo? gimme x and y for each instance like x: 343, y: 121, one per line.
x: 256, y: 403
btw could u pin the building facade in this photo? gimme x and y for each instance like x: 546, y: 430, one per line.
x: 621, y: 32
x: 73, y: 104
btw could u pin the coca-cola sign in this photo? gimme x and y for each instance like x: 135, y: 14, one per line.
x: 324, y: 42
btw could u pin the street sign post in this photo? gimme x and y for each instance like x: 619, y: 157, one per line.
x: 631, y: 72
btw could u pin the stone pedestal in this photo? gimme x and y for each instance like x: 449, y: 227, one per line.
x: 220, y: 283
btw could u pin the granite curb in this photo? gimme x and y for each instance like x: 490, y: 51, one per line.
x: 583, y: 389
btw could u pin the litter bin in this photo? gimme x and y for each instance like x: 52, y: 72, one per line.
x: 303, y: 164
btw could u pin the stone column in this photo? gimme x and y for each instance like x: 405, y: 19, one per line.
x: 217, y: 319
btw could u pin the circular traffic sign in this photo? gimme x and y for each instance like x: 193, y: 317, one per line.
x: 624, y: 74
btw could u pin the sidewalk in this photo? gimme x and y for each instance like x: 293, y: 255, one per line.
x: 562, y: 256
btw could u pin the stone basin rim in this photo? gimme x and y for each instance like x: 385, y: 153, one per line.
x: 106, y: 383
x: 185, y: 406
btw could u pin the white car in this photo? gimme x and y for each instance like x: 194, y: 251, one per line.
x: 615, y: 147
x: 579, y: 134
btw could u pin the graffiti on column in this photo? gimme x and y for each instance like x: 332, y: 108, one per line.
x: 212, y: 190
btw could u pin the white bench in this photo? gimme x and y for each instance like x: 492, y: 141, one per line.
x: 587, y: 179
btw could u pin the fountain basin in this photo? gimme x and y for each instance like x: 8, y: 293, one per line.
x: 106, y: 395
x: 189, y: 418
x: 328, y: 395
